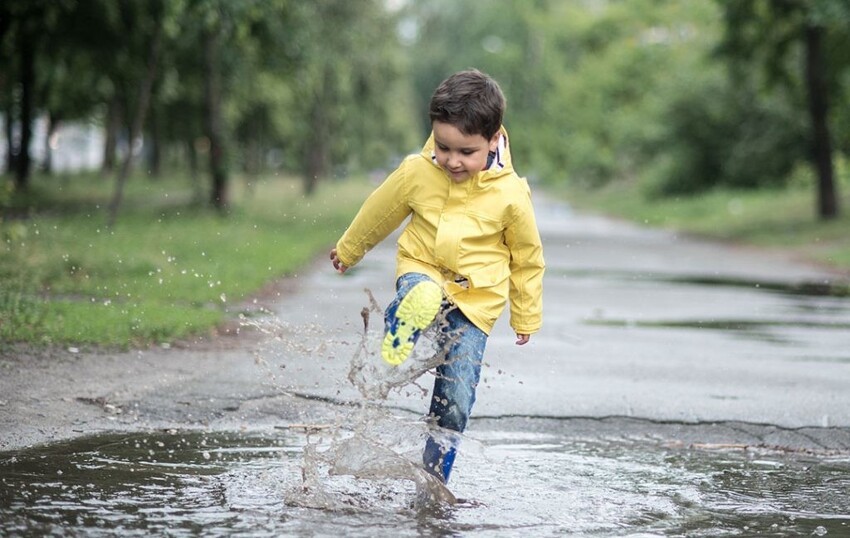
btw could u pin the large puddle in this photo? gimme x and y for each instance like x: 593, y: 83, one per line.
x: 539, y: 483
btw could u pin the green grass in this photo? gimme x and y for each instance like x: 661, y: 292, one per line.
x: 169, y: 268
x: 783, y: 218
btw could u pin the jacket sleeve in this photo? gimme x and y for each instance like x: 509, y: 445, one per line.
x: 527, y: 266
x: 382, y: 212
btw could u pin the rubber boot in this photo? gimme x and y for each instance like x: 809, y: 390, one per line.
x: 438, y: 460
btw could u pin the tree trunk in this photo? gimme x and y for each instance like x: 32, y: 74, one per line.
x: 112, y: 127
x: 142, y: 105
x: 252, y: 164
x: 213, y: 118
x: 155, y: 155
x: 5, y: 23
x: 315, y: 168
x: 197, y: 188
x: 818, y: 111
x: 24, y: 162
x: 11, y: 150
x: 318, y: 147
x: 52, y: 126
x: 5, y: 19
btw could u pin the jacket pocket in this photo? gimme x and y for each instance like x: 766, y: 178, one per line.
x: 490, y: 275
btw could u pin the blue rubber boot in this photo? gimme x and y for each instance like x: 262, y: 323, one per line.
x: 438, y: 460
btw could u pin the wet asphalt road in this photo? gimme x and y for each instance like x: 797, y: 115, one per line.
x: 644, y: 331
x: 637, y: 323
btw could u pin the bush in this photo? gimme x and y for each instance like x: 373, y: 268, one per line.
x: 720, y: 135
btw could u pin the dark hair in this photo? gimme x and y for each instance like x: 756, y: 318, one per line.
x: 471, y: 101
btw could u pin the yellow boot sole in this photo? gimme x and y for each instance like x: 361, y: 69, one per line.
x: 415, y: 313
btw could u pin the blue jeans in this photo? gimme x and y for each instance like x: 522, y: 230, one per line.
x: 457, y: 377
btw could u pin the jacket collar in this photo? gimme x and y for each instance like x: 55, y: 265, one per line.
x: 501, y: 165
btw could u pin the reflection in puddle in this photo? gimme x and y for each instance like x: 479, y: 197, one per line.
x: 763, y: 330
x: 186, y: 483
x: 776, y: 312
x: 721, y: 324
x: 804, y: 288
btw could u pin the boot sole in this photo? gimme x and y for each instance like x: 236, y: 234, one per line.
x: 415, y: 313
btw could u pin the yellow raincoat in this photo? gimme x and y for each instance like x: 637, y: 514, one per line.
x: 482, y: 230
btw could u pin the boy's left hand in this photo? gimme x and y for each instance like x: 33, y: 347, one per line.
x: 522, y: 339
x: 338, y: 265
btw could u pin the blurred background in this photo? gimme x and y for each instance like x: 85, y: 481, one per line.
x: 661, y: 111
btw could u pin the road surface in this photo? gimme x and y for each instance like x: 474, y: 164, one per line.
x: 643, y: 330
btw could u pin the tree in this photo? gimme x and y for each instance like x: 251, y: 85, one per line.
x: 582, y: 81
x: 318, y: 82
x: 772, y: 35
x: 346, y: 92
x: 25, y: 28
x: 152, y: 23
x: 214, y: 81
x: 213, y: 120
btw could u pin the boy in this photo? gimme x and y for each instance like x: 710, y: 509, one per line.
x: 471, y: 244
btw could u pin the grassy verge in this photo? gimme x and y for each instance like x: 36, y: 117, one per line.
x: 770, y: 218
x: 168, y: 269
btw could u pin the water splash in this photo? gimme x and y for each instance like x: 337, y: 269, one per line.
x: 373, y: 377
x: 381, y: 452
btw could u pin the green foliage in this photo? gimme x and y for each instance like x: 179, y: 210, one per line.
x: 296, y: 77
x: 348, y: 102
x: 291, y: 76
x: 597, y: 91
x: 647, y: 91
x: 168, y: 269
x: 797, y: 47
x: 717, y: 133
x: 587, y: 85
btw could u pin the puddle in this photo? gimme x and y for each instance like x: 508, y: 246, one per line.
x: 767, y: 330
x: 803, y: 288
x: 775, y: 312
x: 536, y: 483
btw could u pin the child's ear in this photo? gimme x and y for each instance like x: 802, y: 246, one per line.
x: 494, y: 141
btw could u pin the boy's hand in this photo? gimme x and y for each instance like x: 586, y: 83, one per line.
x: 522, y: 339
x: 338, y: 265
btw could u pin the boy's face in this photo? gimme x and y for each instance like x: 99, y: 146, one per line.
x: 460, y: 155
